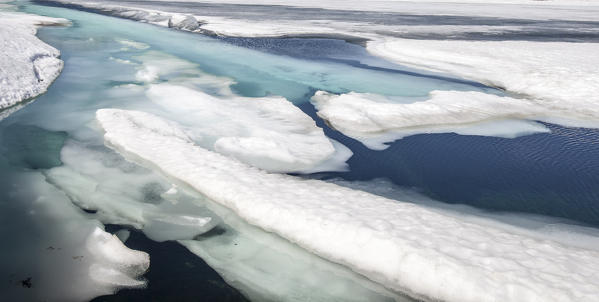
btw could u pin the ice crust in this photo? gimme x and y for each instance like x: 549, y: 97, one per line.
x: 374, y: 119
x: 27, y: 65
x: 401, y: 245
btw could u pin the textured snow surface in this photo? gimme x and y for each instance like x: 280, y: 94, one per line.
x: 269, y: 133
x: 263, y: 266
x: 373, y: 118
x: 27, y: 65
x: 560, y: 78
x: 401, y: 245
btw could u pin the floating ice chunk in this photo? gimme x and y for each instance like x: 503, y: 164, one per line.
x: 111, y: 252
x: 262, y: 265
x: 173, y: 227
x: 155, y: 65
x: 404, y: 246
x: 558, y: 77
x: 55, y: 246
x: 133, y: 44
x: 27, y: 65
x: 373, y: 119
x: 269, y: 133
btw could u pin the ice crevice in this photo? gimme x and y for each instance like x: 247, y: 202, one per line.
x: 403, y: 246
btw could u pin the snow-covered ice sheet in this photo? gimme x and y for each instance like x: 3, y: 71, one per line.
x: 374, y: 119
x: 262, y: 265
x: 27, y: 65
x: 401, y: 245
x: 560, y: 78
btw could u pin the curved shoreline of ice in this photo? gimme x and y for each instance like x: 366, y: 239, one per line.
x: 374, y: 119
x: 27, y: 65
x: 403, y: 246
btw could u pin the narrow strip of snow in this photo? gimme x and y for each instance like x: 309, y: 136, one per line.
x: 401, y: 245
x: 27, y: 65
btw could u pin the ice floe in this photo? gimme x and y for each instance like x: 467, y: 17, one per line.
x: 27, y: 65
x: 374, y: 119
x: 404, y: 246
x: 262, y: 265
x: 269, y: 133
x: 558, y: 77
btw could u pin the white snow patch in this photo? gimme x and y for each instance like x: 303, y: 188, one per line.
x: 401, y: 245
x: 27, y: 65
x: 269, y: 133
x: 560, y: 78
x: 374, y: 119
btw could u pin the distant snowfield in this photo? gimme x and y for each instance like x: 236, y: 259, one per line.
x: 28, y: 65
x: 559, y: 79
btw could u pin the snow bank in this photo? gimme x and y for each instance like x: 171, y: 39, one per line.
x: 269, y: 133
x: 27, y: 65
x: 560, y: 78
x: 374, y: 119
x: 401, y: 245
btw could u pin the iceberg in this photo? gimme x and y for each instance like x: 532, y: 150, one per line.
x: 403, y: 246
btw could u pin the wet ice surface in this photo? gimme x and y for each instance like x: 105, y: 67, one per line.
x: 120, y: 64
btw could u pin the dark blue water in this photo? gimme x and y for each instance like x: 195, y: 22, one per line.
x: 554, y: 174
